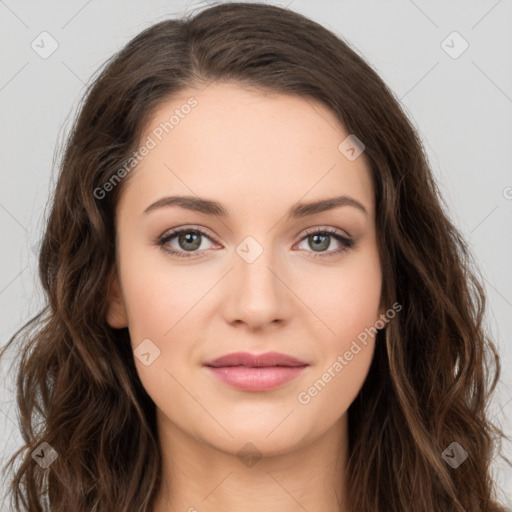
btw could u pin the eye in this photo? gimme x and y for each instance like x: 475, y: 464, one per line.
x: 189, y: 241
x: 321, y: 240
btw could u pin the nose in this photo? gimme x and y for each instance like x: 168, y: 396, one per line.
x: 256, y: 291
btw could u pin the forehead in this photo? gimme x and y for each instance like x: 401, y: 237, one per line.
x: 246, y: 147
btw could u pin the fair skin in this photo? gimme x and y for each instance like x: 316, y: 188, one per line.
x: 257, y: 154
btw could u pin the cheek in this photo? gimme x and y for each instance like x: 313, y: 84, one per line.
x: 163, y: 303
x: 348, y: 305
x: 158, y: 294
x: 331, y: 392
x: 350, y: 311
x: 160, y: 306
x: 347, y: 298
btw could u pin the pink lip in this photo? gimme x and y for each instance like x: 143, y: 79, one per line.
x: 256, y: 372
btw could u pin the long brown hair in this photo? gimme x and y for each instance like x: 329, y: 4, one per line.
x: 434, y: 368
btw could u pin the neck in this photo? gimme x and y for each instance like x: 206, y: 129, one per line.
x: 197, y: 477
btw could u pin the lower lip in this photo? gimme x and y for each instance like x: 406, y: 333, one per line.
x: 256, y: 379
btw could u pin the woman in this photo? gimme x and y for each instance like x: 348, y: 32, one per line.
x: 255, y: 298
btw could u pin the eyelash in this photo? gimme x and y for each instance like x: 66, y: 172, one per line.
x: 346, y: 243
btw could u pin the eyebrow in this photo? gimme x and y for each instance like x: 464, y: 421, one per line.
x: 297, y: 211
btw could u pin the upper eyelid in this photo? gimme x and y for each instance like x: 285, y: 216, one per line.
x: 328, y: 230
x: 174, y: 231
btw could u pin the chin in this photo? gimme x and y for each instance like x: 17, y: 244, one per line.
x: 256, y: 445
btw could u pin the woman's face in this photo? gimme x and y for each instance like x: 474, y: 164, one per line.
x: 253, y: 279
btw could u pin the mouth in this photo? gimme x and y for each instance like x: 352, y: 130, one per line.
x: 256, y: 372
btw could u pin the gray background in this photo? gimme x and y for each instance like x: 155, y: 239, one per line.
x: 461, y: 106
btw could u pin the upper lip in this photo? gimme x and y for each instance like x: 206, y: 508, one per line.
x: 255, y: 360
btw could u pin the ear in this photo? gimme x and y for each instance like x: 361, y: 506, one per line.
x: 116, y: 311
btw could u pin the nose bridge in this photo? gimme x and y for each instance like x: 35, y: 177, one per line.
x: 258, y: 294
x: 255, y: 259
